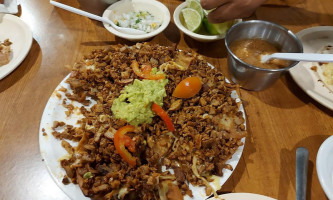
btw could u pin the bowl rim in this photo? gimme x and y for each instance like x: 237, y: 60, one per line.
x: 321, y: 176
x: 155, y: 3
x: 289, y: 32
x: 176, y: 18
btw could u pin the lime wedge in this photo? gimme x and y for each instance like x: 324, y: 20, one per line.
x: 195, y: 4
x: 192, y: 19
x: 217, y: 29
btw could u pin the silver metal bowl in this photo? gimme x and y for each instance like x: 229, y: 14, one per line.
x: 251, y: 77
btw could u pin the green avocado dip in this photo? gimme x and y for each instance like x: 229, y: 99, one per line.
x: 134, y: 103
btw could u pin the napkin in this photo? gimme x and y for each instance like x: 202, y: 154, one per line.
x: 8, y: 6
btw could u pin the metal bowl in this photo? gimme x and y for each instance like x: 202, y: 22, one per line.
x: 251, y: 77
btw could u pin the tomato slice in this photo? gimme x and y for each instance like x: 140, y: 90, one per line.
x: 121, y: 140
x: 145, y: 72
x: 163, y: 115
x: 188, y: 88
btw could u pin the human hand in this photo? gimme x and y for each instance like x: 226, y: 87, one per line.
x: 229, y: 9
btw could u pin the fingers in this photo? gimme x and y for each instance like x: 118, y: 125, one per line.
x: 210, y: 4
x: 227, y: 12
x: 232, y: 9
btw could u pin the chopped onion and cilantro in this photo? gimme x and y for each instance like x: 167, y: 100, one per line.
x: 141, y: 20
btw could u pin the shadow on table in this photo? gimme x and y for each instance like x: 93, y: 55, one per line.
x: 104, y: 43
x: 295, y: 89
x: 172, y: 33
x: 288, y: 157
x: 26, y: 65
x: 215, y: 49
x: 291, y: 97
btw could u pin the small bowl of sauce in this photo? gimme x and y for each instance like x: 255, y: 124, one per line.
x: 247, y: 41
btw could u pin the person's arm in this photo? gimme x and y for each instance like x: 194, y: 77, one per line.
x: 230, y: 9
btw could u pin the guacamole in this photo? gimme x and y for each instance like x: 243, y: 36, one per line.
x: 134, y: 103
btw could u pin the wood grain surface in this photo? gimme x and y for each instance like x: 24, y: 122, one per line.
x: 279, y: 119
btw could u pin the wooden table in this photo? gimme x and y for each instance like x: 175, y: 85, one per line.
x: 279, y: 119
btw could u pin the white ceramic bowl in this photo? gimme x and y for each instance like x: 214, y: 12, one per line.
x: 196, y: 36
x: 156, y: 8
x: 324, y: 164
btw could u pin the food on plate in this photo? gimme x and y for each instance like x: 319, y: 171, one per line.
x: 251, y: 50
x: 141, y: 20
x: 181, y: 141
x: 325, y: 70
x: 194, y: 18
x: 5, y: 52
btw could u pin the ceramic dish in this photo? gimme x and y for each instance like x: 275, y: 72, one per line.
x: 324, y: 165
x: 313, y: 40
x: 196, y: 36
x: 52, y: 151
x: 156, y: 8
x: 243, y: 196
x: 9, y: 6
x: 20, y: 35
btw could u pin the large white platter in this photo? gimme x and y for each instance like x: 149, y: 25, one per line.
x: 52, y: 151
x: 19, y: 33
x: 313, y: 40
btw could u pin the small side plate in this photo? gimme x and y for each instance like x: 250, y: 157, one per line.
x: 313, y: 40
x: 19, y: 33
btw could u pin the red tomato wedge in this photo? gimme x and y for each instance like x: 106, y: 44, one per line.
x: 163, y: 115
x: 121, y: 141
x: 188, y: 88
x: 145, y: 72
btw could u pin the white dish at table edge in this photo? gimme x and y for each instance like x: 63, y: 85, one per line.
x: 9, y: 6
x: 196, y: 36
x: 52, y: 151
x: 313, y: 39
x: 156, y: 8
x: 324, y: 165
x: 242, y: 196
x: 19, y: 33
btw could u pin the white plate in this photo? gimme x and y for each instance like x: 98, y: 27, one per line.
x: 324, y: 165
x: 243, y: 196
x: 313, y: 40
x: 52, y: 151
x: 9, y: 6
x: 20, y: 35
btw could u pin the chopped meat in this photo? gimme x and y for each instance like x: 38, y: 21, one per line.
x: 176, y: 105
x: 209, y: 126
x: 5, y: 52
x: 174, y: 192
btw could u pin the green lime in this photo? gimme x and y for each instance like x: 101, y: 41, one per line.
x: 194, y: 4
x: 217, y: 29
x: 192, y: 19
